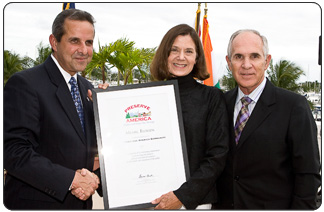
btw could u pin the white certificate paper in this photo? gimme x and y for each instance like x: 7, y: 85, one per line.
x: 141, y: 143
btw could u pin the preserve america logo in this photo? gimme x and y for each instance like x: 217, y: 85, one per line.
x: 138, y: 113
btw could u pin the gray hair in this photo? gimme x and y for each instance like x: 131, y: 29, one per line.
x: 263, y: 38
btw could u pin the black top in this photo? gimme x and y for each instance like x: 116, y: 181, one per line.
x: 207, y: 136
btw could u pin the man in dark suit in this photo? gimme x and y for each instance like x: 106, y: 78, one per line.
x: 273, y: 162
x: 49, y: 146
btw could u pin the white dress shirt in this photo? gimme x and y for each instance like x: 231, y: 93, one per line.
x: 255, y: 95
x: 65, y: 74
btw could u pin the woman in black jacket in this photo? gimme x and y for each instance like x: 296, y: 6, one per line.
x: 180, y: 56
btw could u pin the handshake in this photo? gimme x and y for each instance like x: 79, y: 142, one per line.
x: 84, y: 184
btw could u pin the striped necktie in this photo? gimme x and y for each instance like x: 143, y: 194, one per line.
x: 242, y: 118
x: 77, y: 100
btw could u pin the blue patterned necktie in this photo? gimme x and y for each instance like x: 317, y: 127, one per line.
x: 242, y: 118
x: 77, y: 100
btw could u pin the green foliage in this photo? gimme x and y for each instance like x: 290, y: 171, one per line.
x: 13, y: 63
x: 285, y: 74
x: 123, y: 56
x: 228, y: 80
x: 43, y: 52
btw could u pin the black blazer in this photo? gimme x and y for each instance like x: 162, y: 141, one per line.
x: 43, y: 140
x: 276, y: 163
x: 207, y: 136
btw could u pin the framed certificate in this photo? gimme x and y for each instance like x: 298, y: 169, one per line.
x: 141, y: 143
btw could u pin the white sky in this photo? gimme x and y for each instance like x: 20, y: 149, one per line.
x: 292, y: 29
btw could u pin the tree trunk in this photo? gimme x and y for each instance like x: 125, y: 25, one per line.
x: 126, y: 79
x: 83, y: 74
x: 103, y: 74
x: 118, y: 78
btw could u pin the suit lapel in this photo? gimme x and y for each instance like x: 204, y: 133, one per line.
x: 262, y: 110
x: 85, y: 102
x: 230, y: 101
x: 64, y: 96
x: 88, y: 118
x: 67, y: 103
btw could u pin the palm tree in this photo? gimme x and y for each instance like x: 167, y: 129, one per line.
x: 143, y: 70
x: 43, y: 52
x: 108, y: 55
x: 285, y: 74
x: 142, y: 73
x: 122, y: 55
x: 119, y: 48
x: 135, y: 58
x: 228, y: 80
x: 98, y: 61
x: 13, y: 63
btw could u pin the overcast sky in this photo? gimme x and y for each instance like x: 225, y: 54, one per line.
x: 292, y: 29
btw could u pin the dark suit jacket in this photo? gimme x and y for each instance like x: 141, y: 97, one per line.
x: 276, y: 163
x: 43, y: 140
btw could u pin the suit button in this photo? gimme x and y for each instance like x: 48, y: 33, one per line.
x: 237, y: 178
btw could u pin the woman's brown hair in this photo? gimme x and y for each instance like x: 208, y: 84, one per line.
x: 159, y: 66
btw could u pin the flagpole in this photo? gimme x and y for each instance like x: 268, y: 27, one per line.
x: 206, y: 9
x: 197, y: 19
x: 205, y: 15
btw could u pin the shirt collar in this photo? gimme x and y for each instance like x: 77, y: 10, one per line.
x: 255, y: 95
x: 65, y: 74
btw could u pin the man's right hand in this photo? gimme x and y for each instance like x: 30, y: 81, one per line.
x: 84, y: 184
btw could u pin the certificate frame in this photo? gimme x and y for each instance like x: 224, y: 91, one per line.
x: 148, y: 136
